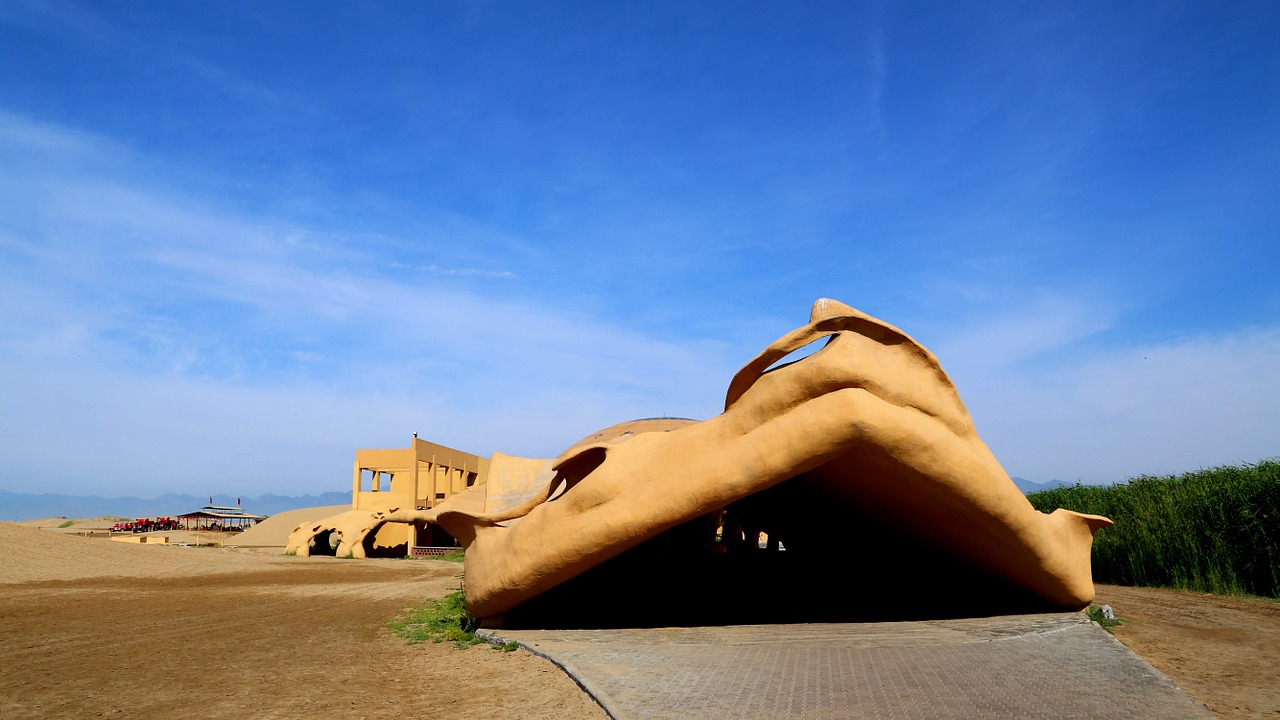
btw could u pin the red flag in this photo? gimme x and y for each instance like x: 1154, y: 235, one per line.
x: 237, y: 501
x: 210, y: 499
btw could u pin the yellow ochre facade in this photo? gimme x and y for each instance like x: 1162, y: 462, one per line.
x: 418, y: 477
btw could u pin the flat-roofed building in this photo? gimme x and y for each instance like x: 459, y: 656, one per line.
x: 418, y: 478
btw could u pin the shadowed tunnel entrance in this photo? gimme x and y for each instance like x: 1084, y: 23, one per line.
x: 850, y: 568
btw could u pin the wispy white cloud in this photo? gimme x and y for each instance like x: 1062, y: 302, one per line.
x: 1053, y: 403
x: 501, y: 254
x: 457, y: 271
x: 151, y: 331
x: 1030, y: 326
x: 232, y: 84
x: 158, y: 332
x: 879, y: 72
x: 59, y: 16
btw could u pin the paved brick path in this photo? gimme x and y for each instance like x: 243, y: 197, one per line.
x: 1026, y: 666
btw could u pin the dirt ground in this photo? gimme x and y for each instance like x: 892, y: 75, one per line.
x: 91, y: 628
x: 1224, y: 651
x: 221, y: 633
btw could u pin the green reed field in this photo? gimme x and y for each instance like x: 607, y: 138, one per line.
x: 1215, y: 530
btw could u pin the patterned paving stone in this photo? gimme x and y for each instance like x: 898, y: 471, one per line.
x: 1053, y: 666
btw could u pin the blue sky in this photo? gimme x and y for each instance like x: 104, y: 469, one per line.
x: 240, y: 240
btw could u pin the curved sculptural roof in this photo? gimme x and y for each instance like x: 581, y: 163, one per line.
x: 629, y: 428
x: 860, y: 456
x: 869, y: 425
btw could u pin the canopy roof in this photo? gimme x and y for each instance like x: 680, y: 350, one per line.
x: 227, y: 513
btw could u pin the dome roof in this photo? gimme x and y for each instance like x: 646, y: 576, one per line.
x: 630, y: 427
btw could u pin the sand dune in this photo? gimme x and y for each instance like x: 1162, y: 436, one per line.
x: 32, y: 554
x: 274, y: 531
x: 74, y: 526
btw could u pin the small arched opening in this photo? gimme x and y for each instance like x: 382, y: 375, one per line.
x: 388, y: 541
x: 324, y: 543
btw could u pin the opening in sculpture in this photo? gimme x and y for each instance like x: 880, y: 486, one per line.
x: 847, y: 485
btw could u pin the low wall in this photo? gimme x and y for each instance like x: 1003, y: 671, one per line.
x: 142, y: 539
x: 419, y: 551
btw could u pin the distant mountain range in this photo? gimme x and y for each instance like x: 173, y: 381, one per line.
x: 1027, y: 487
x: 21, y: 506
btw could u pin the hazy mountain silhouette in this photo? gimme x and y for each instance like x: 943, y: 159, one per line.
x: 23, y: 506
x: 1027, y: 487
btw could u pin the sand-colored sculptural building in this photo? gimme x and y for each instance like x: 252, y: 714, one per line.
x: 421, y: 477
x: 859, y: 462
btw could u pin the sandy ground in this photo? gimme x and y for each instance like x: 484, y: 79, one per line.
x: 92, y: 628
x: 272, y: 532
x: 1224, y: 651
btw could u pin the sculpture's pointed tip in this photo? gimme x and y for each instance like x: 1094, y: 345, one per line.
x: 824, y: 308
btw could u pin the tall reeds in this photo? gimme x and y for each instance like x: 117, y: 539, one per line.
x: 1214, y: 530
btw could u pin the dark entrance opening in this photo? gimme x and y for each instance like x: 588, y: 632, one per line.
x: 848, y: 568
x: 323, y: 544
x: 431, y: 535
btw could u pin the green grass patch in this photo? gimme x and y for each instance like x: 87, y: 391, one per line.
x: 1095, y: 614
x: 1214, y: 531
x: 455, y: 556
x: 67, y: 524
x: 438, y: 621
